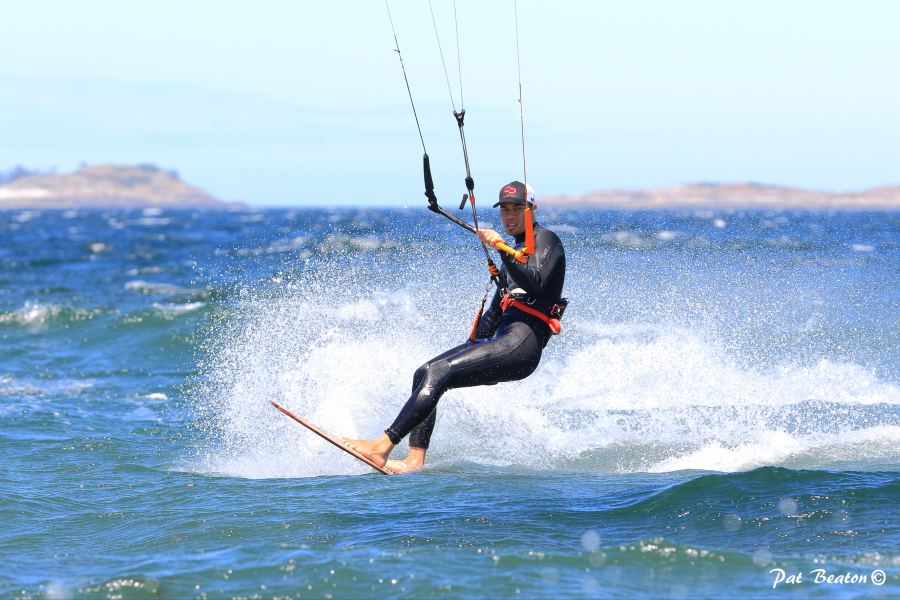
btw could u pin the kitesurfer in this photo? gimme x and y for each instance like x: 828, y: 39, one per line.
x: 509, y: 337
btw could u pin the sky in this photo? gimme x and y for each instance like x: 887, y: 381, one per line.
x: 304, y: 103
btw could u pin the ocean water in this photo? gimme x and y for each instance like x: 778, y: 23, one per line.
x: 720, y: 417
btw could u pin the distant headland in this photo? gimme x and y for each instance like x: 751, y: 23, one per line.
x: 733, y: 196
x: 97, y: 186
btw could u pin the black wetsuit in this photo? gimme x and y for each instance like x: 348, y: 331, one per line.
x: 508, y: 343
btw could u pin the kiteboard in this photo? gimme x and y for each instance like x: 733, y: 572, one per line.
x: 330, y: 438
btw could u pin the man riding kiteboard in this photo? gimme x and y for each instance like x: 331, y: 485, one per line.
x: 507, y: 341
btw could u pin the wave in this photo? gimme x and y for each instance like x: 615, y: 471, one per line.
x: 38, y: 315
x: 48, y: 319
x: 39, y: 396
x: 290, y: 245
x: 348, y: 243
x: 163, y: 288
x: 788, y: 491
x: 850, y: 448
x: 170, y: 310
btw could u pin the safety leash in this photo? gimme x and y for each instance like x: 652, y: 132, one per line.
x: 529, y: 219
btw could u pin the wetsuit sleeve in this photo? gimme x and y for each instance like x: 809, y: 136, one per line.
x: 487, y: 325
x: 534, y: 276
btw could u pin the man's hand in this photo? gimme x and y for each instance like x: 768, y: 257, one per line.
x: 490, y: 237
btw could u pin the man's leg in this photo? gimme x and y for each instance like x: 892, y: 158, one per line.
x: 379, y: 449
x: 511, y: 355
x: 419, y: 437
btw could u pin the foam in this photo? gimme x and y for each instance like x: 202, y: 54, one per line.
x: 627, y: 397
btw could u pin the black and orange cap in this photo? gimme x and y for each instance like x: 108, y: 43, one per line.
x: 516, y: 192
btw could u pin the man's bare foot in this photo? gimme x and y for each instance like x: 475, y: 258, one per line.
x: 412, y: 462
x: 376, y: 450
x: 401, y: 466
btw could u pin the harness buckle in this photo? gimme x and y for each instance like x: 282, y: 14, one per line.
x: 558, y: 309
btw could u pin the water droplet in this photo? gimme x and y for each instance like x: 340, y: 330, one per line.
x: 762, y: 557
x: 787, y: 506
x: 590, y: 540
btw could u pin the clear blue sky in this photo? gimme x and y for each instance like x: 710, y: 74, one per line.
x: 304, y: 102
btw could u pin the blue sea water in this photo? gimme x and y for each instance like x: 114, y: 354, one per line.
x: 723, y: 403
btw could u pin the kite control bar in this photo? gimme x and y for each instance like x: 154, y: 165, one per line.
x: 434, y: 207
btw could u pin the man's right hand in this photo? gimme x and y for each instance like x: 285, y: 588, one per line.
x: 490, y: 237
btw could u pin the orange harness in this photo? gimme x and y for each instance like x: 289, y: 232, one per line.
x: 552, y: 322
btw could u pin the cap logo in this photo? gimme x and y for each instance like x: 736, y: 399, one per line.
x: 509, y: 190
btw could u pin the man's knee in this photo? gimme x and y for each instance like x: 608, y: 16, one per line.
x: 438, y: 370
x: 433, y: 377
x: 418, y: 376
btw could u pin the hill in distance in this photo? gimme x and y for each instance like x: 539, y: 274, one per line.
x: 734, y: 195
x: 103, y: 186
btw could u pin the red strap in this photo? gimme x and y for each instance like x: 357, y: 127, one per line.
x: 509, y: 301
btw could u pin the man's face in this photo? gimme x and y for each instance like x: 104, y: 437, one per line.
x: 513, y: 216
